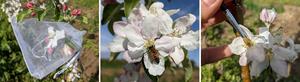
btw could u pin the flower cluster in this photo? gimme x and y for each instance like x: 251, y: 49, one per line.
x: 11, y: 8
x: 52, y: 38
x: 69, y: 14
x: 39, y: 8
x: 267, y: 49
x: 31, y: 5
x: 151, y: 36
x: 74, y: 74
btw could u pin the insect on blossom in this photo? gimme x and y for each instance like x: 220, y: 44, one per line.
x: 151, y: 36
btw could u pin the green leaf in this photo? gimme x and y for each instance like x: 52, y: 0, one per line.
x: 188, y: 67
x: 129, y: 5
x: 188, y: 72
x: 61, y: 18
x: 85, y: 20
x: 57, y: 11
x: 149, y: 2
x: 22, y: 15
x: 117, y: 17
x: 110, y: 11
x: 113, y: 56
x: 41, y: 14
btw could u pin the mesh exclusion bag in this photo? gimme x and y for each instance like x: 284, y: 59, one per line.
x: 46, y: 45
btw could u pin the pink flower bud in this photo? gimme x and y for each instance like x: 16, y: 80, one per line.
x: 268, y: 15
x: 49, y: 50
x: 76, y: 12
x: 65, y: 7
x: 33, y: 14
x: 29, y: 5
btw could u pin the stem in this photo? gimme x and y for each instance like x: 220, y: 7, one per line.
x: 240, y: 19
x: 245, y: 74
x: 245, y: 69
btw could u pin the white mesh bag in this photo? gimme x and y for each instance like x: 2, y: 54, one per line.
x: 46, y: 45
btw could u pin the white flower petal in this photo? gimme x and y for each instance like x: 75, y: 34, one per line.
x: 119, y: 28
x: 163, y: 53
x: 154, y: 69
x: 150, y: 27
x: 165, y: 25
x: 166, y: 43
x: 291, y: 44
x: 263, y: 31
x: 134, y: 36
x: 165, y: 22
x: 173, y: 11
x: 248, y: 32
x: 128, y: 58
x: 237, y: 46
x: 243, y: 59
x: 280, y: 67
x: 135, y: 52
x: 147, y: 61
x: 117, y: 45
x: 184, y: 23
x: 177, y: 55
x: 51, y: 32
x: 157, y: 5
x: 259, y: 40
x: 284, y: 53
x: 138, y: 14
x: 256, y: 53
x: 190, y: 40
x: 268, y: 16
x: 257, y: 67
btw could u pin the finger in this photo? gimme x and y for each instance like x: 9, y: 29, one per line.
x: 219, y: 17
x: 209, y: 8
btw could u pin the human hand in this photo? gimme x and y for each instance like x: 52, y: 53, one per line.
x: 211, y: 13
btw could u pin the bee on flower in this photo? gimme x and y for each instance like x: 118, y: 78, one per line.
x: 151, y: 36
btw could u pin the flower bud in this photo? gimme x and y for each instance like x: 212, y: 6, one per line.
x: 29, y: 5
x: 76, y: 12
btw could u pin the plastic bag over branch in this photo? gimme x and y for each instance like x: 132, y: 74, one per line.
x: 46, y: 45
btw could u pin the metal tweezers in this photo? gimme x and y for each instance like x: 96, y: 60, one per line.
x: 233, y: 21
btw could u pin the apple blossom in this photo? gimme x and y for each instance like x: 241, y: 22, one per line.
x: 63, y: 1
x: 64, y: 7
x: 266, y: 51
x: 268, y: 16
x: 149, y: 35
x: 181, y: 36
x: 43, y: 6
x: 239, y: 47
x: 29, y: 5
x: 76, y: 12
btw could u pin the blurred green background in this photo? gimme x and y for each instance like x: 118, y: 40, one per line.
x: 228, y: 70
